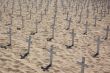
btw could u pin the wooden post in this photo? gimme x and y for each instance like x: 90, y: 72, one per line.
x: 62, y: 3
x: 95, y: 20
x: 13, y: 7
x: 45, y: 11
x: 52, y: 37
x: 28, y: 51
x: 30, y: 14
x: 98, y: 46
x: 36, y: 23
x: 20, y: 8
x: 67, y: 16
x: 4, y: 8
x: 73, y: 35
x: 93, y: 10
x: 104, y: 13
x: 76, y: 12
x: 47, y: 6
x: 96, y: 7
x: 36, y: 5
x: 27, y: 8
x: 9, y: 33
x: 101, y: 13
x: 53, y: 26
x: 87, y: 11
x: 83, y: 65
x: 41, y: 17
x: 7, y: 2
x: 69, y: 4
x: 80, y: 15
x: 86, y: 28
x: 40, y: 5
x: 50, y: 60
x: 10, y: 37
x: 69, y: 21
x: 107, y: 32
x: 108, y: 6
x: 22, y: 22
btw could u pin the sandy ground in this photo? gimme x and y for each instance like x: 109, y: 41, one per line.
x: 64, y: 60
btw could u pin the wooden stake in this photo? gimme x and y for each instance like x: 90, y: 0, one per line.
x: 83, y: 65
x: 69, y: 21
x: 36, y: 26
x: 86, y: 28
x: 95, y: 20
x: 9, y: 33
x: 51, y: 59
x: 73, y: 35
x: 13, y: 7
x: 107, y: 32
x: 20, y: 8
x: 101, y: 13
x: 98, y: 46
x: 80, y: 15
x: 30, y: 14
x: 87, y: 11
x: 22, y: 19
x: 28, y: 51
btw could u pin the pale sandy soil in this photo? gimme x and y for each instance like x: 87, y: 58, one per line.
x: 64, y: 60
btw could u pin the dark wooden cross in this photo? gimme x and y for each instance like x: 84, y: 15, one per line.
x: 23, y: 56
x: 83, y: 65
x: 107, y: 32
x: 50, y: 60
x: 73, y: 35
x: 98, y: 46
